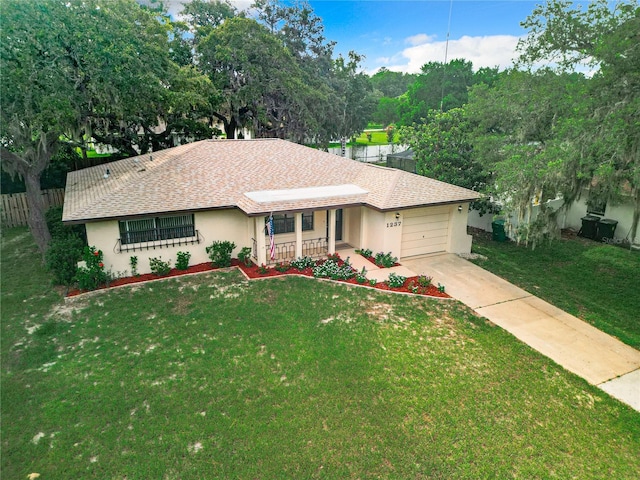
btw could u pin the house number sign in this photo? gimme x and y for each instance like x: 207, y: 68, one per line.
x: 393, y: 224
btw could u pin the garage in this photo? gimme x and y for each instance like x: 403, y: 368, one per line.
x: 425, y: 230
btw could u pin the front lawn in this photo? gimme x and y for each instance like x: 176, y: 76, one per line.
x: 593, y: 281
x: 214, y: 376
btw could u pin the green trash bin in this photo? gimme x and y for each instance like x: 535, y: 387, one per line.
x: 606, y: 229
x: 499, y: 235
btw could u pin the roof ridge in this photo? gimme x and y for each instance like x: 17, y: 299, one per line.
x: 392, y: 186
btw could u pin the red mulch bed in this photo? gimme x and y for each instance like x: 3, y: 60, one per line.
x: 201, y: 267
x: 253, y: 271
x: 373, y: 260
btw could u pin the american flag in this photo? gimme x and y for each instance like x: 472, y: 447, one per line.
x: 272, y: 243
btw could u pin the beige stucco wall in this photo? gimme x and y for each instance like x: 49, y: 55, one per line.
x: 459, y: 241
x: 381, y: 231
x: 229, y: 224
x: 351, y: 226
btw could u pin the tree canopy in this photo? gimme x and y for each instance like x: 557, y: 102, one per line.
x: 63, y: 76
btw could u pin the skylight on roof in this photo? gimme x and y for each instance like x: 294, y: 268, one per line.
x: 309, y: 193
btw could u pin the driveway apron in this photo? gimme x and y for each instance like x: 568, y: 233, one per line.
x: 580, y: 348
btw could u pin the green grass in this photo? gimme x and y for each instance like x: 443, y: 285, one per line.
x: 212, y: 376
x: 593, y: 281
x: 377, y: 138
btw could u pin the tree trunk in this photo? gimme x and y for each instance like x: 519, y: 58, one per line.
x: 230, y: 128
x: 636, y: 217
x: 36, y: 219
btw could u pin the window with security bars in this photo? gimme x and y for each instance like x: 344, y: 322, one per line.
x: 156, y: 228
x: 286, y: 222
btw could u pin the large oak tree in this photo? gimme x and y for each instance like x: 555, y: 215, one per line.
x: 69, y: 69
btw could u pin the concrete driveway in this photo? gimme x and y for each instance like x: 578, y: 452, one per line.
x: 580, y: 348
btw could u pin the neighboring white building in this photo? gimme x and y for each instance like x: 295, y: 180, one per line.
x: 572, y: 217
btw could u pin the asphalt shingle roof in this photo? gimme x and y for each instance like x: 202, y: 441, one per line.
x: 212, y: 174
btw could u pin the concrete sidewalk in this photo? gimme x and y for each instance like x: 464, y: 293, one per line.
x: 580, y: 348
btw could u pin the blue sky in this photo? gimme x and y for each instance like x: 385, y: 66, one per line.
x: 404, y: 35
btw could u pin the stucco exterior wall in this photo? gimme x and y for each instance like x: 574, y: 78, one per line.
x: 351, y: 226
x: 459, y: 241
x: 571, y: 218
x: 229, y: 224
x: 622, y: 213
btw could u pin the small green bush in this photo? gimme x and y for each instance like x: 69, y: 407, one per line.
x: 159, y: 266
x: 361, y: 276
x: 385, y: 260
x: 182, y: 263
x: 301, y: 263
x: 424, y: 281
x: 220, y: 253
x: 282, y: 267
x: 92, y: 274
x: 365, y: 252
x: 62, y: 258
x: 245, y: 255
x: 395, y: 280
x: 133, y: 262
x: 330, y: 268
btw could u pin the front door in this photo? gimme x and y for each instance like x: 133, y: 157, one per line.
x: 338, y: 224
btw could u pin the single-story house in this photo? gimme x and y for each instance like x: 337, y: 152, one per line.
x: 186, y: 197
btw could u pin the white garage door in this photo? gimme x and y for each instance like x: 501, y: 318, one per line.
x: 424, y: 230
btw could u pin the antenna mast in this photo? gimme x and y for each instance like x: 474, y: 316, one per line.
x: 446, y: 54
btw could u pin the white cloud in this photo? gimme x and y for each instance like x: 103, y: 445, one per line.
x: 486, y: 51
x: 419, y: 39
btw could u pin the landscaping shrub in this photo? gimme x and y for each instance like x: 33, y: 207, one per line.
x: 92, y: 274
x: 301, y: 263
x: 159, y: 266
x: 133, y: 261
x: 395, y: 280
x: 245, y: 255
x: 182, y: 263
x: 385, y: 260
x: 53, y: 217
x: 332, y: 269
x: 62, y: 258
x: 220, y: 253
x: 282, y: 267
x: 361, y: 277
x: 424, y: 281
x: 365, y: 252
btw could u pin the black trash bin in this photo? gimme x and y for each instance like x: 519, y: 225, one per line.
x: 499, y: 235
x: 589, y: 227
x: 606, y: 229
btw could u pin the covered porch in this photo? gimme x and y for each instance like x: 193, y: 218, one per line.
x: 328, y: 235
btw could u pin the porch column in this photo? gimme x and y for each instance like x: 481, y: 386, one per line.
x: 332, y: 231
x: 261, y: 244
x: 299, y: 235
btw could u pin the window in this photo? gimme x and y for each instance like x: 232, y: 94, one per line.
x: 286, y: 223
x: 596, y: 206
x: 156, y: 228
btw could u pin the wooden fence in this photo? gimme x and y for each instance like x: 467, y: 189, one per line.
x: 14, y: 209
